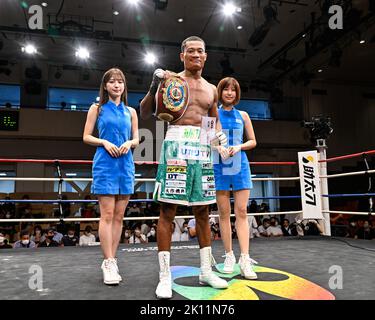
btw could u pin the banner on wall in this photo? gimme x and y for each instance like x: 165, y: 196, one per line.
x: 310, y: 185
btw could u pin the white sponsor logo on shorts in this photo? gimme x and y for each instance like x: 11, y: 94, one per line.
x: 175, y: 176
x: 175, y: 191
x: 208, y: 179
x: 207, y: 165
x: 176, y: 162
x: 194, y: 153
x: 208, y: 186
x: 177, y: 184
x: 209, y: 193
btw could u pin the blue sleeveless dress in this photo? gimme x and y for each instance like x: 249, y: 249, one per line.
x: 233, y: 173
x: 113, y: 176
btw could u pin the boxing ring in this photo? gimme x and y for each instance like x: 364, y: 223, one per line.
x: 296, y: 268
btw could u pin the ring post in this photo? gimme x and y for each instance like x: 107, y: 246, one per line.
x: 322, y: 149
x: 59, y: 195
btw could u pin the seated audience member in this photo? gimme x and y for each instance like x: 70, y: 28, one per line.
x: 191, y: 230
x: 70, y: 239
x: 127, y: 234
x: 49, y: 242
x: 38, y: 236
x: 274, y: 230
x: 138, y: 236
x: 87, y: 238
x: 311, y: 227
x: 215, y: 231
x: 57, y: 236
x: 262, y: 229
x: 184, y: 234
x: 176, y: 235
x: 253, y: 208
x: 352, y: 229
x: 151, y: 236
x: 179, y: 225
x: 365, y: 232
x: 4, y: 242
x: 286, y: 228
x: 24, y: 241
x: 253, y: 227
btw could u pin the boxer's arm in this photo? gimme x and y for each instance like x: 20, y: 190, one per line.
x: 212, y: 112
x: 221, y: 138
x: 147, y: 106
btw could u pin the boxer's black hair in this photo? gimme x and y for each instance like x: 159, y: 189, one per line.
x: 192, y: 38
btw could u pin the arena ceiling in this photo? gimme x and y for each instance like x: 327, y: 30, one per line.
x: 123, y: 39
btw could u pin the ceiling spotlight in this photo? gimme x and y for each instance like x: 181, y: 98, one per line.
x: 44, y: 4
x: 362, y: 41
x: 229, y: 9
x: 82, y: 53
x: 134, y: 2
x: 29, y: 49
x: 239, y: 27
x: 304, y: 35
x: 116, y: 13
x: 180, y: 20
x: 320, y: 70
x: 150, y: 58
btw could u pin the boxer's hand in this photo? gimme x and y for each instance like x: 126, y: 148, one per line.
x: 158, y: 76
x: 220, y: 139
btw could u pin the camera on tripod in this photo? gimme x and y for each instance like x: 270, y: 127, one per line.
x: 320, y: 127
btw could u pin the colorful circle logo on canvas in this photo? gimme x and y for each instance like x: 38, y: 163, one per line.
x: 277, y: 283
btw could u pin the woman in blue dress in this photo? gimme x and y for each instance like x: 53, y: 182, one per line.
x: 232, y: 172
x: 113, y: 166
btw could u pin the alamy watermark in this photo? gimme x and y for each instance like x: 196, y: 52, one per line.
x: 36, y: 280
x: 336, y: 280
x: 36, y: 20
x: 336, y: 21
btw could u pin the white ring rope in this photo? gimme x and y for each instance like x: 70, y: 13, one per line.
x: 355, y: 173
x: 351, y: 212
x: 139, y: 218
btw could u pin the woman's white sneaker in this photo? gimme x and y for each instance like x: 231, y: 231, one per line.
x: 229, y: 262
x: 110, y: 275
x: 114, y: 261
x: 246, y: 267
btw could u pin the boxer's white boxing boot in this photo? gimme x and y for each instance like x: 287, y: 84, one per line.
x: 207, y: 276
x: 164, y: 288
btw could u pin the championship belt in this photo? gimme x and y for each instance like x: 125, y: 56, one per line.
x: 172, y: 99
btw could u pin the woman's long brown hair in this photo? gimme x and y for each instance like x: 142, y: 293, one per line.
x: 103, y: 94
